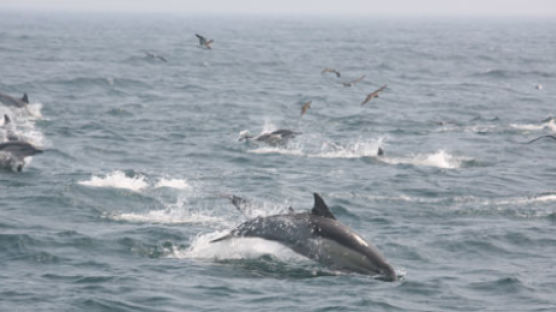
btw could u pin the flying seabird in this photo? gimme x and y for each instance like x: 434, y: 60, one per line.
x: 305, y: 107
x: 373, y: 95
x: 155, y: 56
x: 353, y: 82
x: 331, y: 70
x: 203, y: 42
x: 542, y: 137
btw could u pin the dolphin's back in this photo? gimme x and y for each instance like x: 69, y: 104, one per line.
x: 11, y: 101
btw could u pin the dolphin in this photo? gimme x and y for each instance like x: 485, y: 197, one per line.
x: 319, y: 236
x: 12, y: 154
x: 274, y: 138
x: 11, y: 101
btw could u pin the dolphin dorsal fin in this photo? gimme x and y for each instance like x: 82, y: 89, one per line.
x: 6, y: 119
x: 320, y: 208
x: 25, y: 98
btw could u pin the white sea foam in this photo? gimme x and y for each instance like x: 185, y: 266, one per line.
x: 34, y: 110
x: 180, y: 184
x: 118, y: 179
x: 165, y: 216
x: 357, y: 149
x: 439, y: 159
x: 550, y: 124
x: 277, y: 150
x: 528, y: 200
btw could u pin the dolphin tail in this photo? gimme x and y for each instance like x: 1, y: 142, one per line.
x: 25, y: 98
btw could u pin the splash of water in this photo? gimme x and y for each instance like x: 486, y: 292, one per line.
x: 117, y: 179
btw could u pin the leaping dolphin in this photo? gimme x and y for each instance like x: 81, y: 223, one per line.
x: 319, y: 236
x: 11, y: 101
x: 274, y: 138
x: 12, y: 154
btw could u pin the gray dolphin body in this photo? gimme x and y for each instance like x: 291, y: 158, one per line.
x: 12, y: 154
x: 11, y: 101
x: 274, y: 138
x: 319, y: 236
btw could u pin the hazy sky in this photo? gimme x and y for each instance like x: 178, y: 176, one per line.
x: 335, y: 7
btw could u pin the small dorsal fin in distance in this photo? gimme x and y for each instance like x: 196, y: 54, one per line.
x: 320, y: 208
x: 6, y: 119
x: 25, y: 98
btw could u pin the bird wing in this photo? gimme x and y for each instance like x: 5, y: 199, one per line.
x: 358, y: 79
x: 542, y: 137
x: 368, y: 98
x: 202, y: 40
x: 305, y: 107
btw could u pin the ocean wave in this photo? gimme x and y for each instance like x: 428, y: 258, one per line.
x: 439, y: 159
x: 356, y: 149
x: 549, y: 124
x: 118, y: 179
x: 165, y: 216
x: 180, y: 184
x: 277, y: 150
x: 135, y: 182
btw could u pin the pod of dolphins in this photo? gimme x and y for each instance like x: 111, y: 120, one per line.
x: 316, y: 234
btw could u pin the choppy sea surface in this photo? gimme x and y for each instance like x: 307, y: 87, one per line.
x: 118, y: 212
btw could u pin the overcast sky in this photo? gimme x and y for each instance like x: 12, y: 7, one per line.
x: 317, y: 7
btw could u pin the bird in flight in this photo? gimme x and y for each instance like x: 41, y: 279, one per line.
x: 373, y: 95
x: 542, y: 137
x: 331, y: 70
x: 353, y: 82
x: 305, y: 107
x: 153, y: 56
x: 203, y: 42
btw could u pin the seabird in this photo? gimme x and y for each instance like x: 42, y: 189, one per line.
x: 155, y: 56
x: 542, y: 137
x: 305, y: 107
x: 331, y: 70
x: 203, y: 42
x: 373, y: 95
x: 353, y: 82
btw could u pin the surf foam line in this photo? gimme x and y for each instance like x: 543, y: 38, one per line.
x: 118, y: 179
x: 439, y: 159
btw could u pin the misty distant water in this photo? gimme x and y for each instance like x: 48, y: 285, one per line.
x: 118, y: 213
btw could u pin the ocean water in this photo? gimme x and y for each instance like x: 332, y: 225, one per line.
x: 117, y: 214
